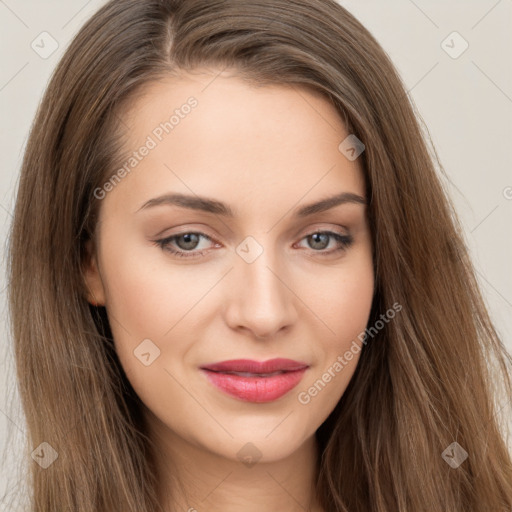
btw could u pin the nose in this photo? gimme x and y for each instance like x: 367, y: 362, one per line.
x: 260, y: 297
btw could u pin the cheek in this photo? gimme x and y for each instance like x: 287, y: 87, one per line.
x: 155, y: 308
x: 136, y: 300
x: 147, y: 311
x: 343, y: 300
x: 146, y: 296
x: 345, y: 309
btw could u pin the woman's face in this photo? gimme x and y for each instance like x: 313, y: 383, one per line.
x: 257, y: 275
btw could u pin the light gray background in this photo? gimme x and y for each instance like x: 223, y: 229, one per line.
x: 466, y: 104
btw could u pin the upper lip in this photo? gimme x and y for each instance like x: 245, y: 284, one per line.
x: 251, y: 366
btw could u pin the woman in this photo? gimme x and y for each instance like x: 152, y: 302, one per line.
x: 254, y: 369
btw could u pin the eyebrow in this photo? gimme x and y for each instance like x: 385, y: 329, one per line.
x: 208, y: 205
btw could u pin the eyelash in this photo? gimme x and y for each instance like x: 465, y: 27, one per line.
x: 164, y: 243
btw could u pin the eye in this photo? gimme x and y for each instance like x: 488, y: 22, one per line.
x: 187, y: 243
x: 319, y: 240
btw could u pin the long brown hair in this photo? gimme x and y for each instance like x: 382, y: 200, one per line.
x: 433, y: 376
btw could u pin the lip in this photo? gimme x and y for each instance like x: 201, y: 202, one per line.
x: 251, y: 366
x: 257, y: 387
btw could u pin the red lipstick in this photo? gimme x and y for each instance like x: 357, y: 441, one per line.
x: 254, y: 381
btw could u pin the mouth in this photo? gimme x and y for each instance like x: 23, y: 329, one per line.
x: 254, y: 381
x: 249, y: 374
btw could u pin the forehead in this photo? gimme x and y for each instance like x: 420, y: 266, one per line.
x: 215, y: 134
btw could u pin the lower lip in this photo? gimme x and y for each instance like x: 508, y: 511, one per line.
x: 255, y: 389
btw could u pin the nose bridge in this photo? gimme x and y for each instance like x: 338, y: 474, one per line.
x: 260, y: 298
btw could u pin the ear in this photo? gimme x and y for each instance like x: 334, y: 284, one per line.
x: 95, y: 292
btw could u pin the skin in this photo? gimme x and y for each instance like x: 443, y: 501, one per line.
x: 265, y: 151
